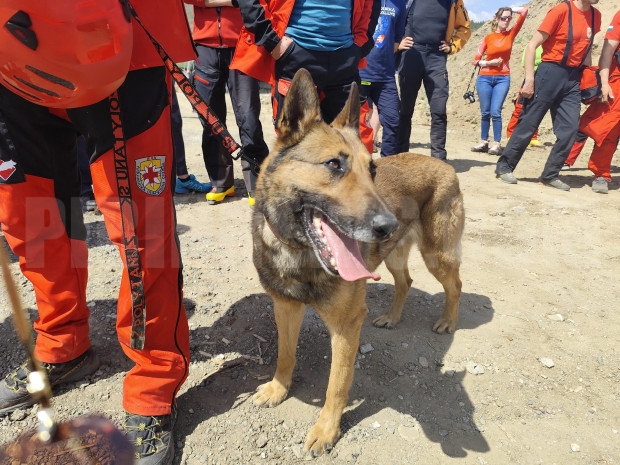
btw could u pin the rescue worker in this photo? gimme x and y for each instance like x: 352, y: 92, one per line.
x: 60, y: 69
x: 601, y: 120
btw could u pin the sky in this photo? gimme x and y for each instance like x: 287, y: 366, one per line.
x: 482, y: 10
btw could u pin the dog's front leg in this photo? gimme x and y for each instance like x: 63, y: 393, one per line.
x: 289, y: 315
x: 345, y: 337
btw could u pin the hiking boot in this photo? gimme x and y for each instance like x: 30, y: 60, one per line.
x: 13, y: 392
x: 152, y: 437
x: 600, y: 185
x: 507, y: 178
x: 535, y: 143
x: 565, y: 167
x: 251, y: 199
x: 496, y: 149
x: 481, y: 147
x: 191, y: 184
x: 556, y: 183
x: 218, y: 194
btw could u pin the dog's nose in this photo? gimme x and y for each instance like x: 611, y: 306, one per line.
x: 384, y: 225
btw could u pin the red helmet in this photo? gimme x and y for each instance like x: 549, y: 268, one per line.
x: 64, y: 53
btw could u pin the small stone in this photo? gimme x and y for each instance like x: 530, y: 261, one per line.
x: 555, y: 317
x: 409, y: 433
x: 366, y: 348
x: 261, y: 441
x: 575, y: 447
x: 18, y: 415
x: 376, y: 425
x: 423, y: 362
x: 547, y: 362
x: 474, y: 368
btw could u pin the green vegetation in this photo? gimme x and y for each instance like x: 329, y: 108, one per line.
x: 475, y: 25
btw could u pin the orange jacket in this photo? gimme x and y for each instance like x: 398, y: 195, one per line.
x: 256, y: 60
x: 168, y: 24
x: 215, y: 27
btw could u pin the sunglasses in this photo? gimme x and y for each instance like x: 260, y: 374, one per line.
x: 505, y: 18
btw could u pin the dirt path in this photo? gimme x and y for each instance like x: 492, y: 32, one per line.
x: 540, y: 287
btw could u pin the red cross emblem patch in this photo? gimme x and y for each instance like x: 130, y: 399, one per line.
x: 151, y: 174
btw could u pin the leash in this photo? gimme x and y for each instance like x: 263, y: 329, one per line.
x: 205, y: 114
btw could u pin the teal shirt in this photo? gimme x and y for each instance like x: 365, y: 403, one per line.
x: 321, y: 25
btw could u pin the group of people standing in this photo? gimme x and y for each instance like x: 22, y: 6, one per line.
x: 554, y: 58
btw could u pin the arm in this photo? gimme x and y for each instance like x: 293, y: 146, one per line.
x: 530, y: 56
x: 604, y: 63
x: 254, y: 19
x: 461, y: 33
x: 367, y: 23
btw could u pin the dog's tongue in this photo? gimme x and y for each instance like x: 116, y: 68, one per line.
x: 351, y: 266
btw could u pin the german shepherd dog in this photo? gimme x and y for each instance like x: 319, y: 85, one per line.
x: 325, y: 215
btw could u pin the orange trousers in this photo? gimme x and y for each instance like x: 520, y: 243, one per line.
x: 42, y: 221
x: 515, y: 118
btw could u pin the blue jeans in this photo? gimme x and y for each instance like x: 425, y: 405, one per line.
x: 492, y: 91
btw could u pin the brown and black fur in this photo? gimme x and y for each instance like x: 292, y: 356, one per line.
x: 387, y: 206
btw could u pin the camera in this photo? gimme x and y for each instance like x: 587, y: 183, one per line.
x: 469, y: 95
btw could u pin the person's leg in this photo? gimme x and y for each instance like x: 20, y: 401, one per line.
x: 387, y: 105
x: 516, y: 112
x: 484, y: 89
x: 437, y: 89
x: 410, y: 76
x: 87, y: 197
x: 547, y: 79
x: 575, y: 151
x: 600, y: 159
x: 210, y: 79
x: 245, y: 99
x: 41, y: 219
x: 498, y: 96
x: 184, y: 183
x: 334, y: 83
x: 151, y: 282
x: 565, y: 119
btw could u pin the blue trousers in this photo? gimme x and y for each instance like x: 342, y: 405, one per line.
x: 492, y: 91
x: 384, y: 95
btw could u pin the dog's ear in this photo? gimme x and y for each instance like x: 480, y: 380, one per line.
x: 350, y: 114
x: 301, y: 107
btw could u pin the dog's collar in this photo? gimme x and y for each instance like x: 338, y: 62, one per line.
x: 277, y: 236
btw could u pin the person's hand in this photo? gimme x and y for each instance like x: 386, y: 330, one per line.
x: 527, y: 91
x: 607, y: 93
x: 444, y: 47
x: 406, y: 43
x: 283, y: 45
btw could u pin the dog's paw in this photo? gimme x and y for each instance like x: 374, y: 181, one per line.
x: 321, y: 439
x: 270, y: 394
x: 443, y: 325
x: 384, y: 321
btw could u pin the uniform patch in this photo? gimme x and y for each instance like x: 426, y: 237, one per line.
x: 7, y: 168
x: 151, y: 174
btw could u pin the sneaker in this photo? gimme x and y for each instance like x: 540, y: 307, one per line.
x: 191, y: 184
x: 251, y: 199
x: 600, y: 185
x: 535, y: 143
x: 218, y: 194
x: 496, y: 149
x: 507, y: 178
x: 13, y: 392
x: 556, y: 183
x: 152, y: 437
x: 565, y: 167
x: 481, y: 147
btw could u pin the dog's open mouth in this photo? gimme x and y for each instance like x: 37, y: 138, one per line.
x: 339, y: 254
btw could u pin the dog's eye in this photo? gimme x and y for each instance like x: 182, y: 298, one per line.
x: 334, y: 164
